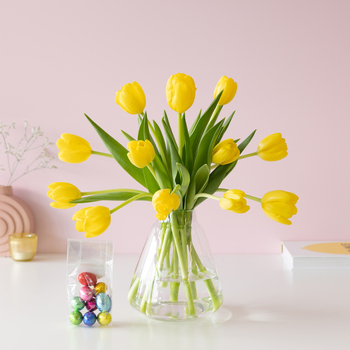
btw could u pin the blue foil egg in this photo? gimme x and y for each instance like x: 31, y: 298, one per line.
x: 89, y: 318
x: 103, y: 302
x: 110, y: 308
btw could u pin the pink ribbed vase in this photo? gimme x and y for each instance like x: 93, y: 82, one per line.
x: 15, y: 217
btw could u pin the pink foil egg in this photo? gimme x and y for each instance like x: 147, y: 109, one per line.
x: 86, y: 293
x: 91, y: 305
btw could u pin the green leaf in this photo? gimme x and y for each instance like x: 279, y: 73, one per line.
x: 160, y: 138
x: 195, y: 122
x: 174, y: 154
x: 185, y: 178
x: 158, y: 131
x: 161, y: 173
x: 224, y: 128
x: 198, y: 184
x: 222, y: 171
x: 198, y: 130
x: 206, y: 146
x: 187, y: 153
x: 151, y: 182
x: 246, y: 142
x: 127, y: 136
x: 112, y: 196
x: 166, y: 121
x: 119, y: 153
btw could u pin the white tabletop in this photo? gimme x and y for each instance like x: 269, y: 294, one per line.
x: 266, y: 306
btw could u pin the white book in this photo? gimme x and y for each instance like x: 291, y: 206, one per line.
x: 319, y: 255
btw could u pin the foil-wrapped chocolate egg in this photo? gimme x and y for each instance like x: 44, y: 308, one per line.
x: 100, y: 287
x: 110, y: 307
x: 104, y: 318
x: 87, y: 279
x: 91, y: 305
x: 103, y: 302
x: 89, y: 318
x: 76, y: 317
x: 77, y: 303
x: 86, y: 293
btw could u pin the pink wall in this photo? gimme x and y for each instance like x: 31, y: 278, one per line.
x: 60, y: 59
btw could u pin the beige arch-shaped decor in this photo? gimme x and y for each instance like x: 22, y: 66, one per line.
x: 15, y: 217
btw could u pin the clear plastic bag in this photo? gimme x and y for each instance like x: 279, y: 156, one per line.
x: 89, y: 282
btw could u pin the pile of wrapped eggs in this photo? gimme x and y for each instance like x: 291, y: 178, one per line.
x: 92, y: 295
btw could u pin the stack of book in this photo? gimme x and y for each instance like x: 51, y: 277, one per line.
x: 306, y: 255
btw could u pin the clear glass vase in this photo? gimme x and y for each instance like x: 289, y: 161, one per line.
x: 176, y: 278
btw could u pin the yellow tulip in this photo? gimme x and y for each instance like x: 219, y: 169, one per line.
x: 73, y: 149
x: 180, y: 92
x: 63, y: 193
x: 272, y: 148
x: 92, y: 220
x: 225, y: 152
x: 279, y: 206
x: 234, y: 201
x: 164, y: 203
x: 141, y: 153
x: 230, y: 88
x: 131, y: 98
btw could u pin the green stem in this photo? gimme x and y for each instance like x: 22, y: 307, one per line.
x: 149, y: 166
x: 253, y: 198
x: 214, y: 166
x: 161, y: 150
x: 181, y: 135
x: 176, y: 188
x: 248, y: 155
x: 183, y: 265
x: 102, y: 154
x: 176, y: 236
x: 131, y: 200
x: 208, y: 283
x: 112, y: 191
x: 213, y: 294
x: 174, y: 286
x: 144, y: 298
x: 206, y: 195
x: 133, y: 289
x: 163, y: 250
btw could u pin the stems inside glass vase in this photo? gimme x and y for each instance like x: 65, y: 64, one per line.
x: 177, y: 261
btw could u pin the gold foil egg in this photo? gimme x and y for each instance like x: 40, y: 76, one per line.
x: 100, y: 287
x: 104, y: 318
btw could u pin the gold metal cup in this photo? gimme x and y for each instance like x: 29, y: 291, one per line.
x: 23, y: 246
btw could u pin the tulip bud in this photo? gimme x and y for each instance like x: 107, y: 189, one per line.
x: 141, y: 153
x: 230, y: 88
x: 73, y: 149
x: 131, y: 98
x: 63, y: 193
x: 279, y: 206
x: 180, y: 92
x: 225, y: 152
x: 164, y: 203
x: 234, y: 201
x: 92, y: 220
x: 272, y: 148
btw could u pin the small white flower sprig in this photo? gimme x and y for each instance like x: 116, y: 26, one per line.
x: 15, y: 155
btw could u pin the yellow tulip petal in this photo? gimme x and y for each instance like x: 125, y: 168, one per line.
x: 229, y: 88
x: 131, y: 98
x: 61, y: 205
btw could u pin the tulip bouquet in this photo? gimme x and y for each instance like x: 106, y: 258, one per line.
x: 177, y: 174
